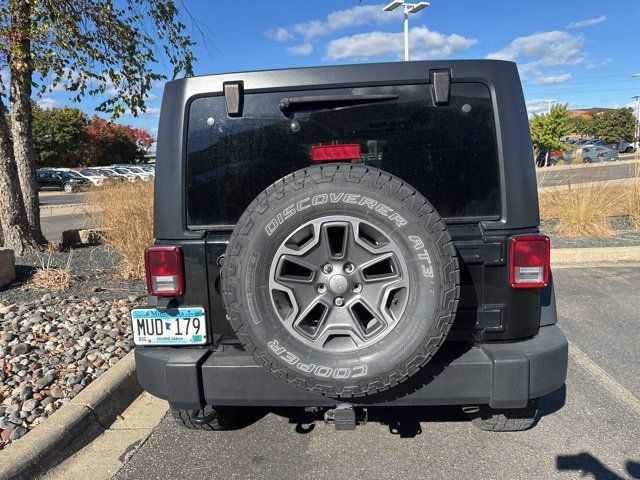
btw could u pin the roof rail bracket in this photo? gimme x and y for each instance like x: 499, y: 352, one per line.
x: 440, y: 85
x: 234, y: 98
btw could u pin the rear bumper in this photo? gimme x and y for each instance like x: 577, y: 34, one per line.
x: 502, y: 375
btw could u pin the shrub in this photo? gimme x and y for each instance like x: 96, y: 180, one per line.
x: 582, y: 212
x: 125, y: 212
x: 633, y: 201
x: 49, y: 277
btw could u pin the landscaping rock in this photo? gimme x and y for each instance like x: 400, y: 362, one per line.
x: 74, y: 237
x: 19, y: 349
x: 51, y: 351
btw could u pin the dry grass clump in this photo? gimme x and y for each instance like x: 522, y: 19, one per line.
x: 633, y: 201
x: 48, y: 277
x: 582, y: 212
x: 125, y: 212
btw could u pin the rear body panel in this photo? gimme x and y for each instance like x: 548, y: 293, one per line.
x: 494, y: 352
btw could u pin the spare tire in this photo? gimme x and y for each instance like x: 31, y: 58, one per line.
x: 341, y: 279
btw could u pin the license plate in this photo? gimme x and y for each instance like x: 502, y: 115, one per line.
x: 176, y: 326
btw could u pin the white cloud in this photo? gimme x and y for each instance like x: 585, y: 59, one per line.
x: 423, y: 44
x: 337, y: 21
x: 279, y: 34
x: 538, y: 106
x: 588, y: 22
x: 598, y: 63
x: 562, y: 77
x: 48, y: 103
x: 300, y: 50
x: 542, y: 49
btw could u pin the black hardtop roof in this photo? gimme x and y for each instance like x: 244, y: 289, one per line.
x: 376, y: 72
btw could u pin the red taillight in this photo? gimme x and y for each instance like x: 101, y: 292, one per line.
x: 334, y: 153
x: 529, y: 261
x: 165, y: 272
x: 601, y: 154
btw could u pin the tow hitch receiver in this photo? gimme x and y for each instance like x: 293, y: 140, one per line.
x: 344, y: 417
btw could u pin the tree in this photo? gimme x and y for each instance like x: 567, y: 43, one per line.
x: 581, y: 125
x: 547, y: 130
x: 107, y: 143
x: 611, y: 126
x: 58, y: 134
x: 88, y: 47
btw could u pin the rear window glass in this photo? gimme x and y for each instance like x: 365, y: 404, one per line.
x: 448, y: 152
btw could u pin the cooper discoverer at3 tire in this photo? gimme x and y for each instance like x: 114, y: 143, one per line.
x: 341, y: 279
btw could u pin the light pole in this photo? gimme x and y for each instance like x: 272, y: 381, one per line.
x: 636, y: 142
x: 549, y: 102
x: 637, y: 129
x: 408, y: 8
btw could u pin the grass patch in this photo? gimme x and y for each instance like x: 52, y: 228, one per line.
x: 48, y: 277
x: 581, y: 212
x: 125, y: 212
x: 633, y: 201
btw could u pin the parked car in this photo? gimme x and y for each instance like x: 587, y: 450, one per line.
x: 113, y: 174
x: 94, y: 176
x: 596, y: 153
x: 69, y: 181
x: 307, y: 257
x: 555, y: 157
x: 133, y: 171
x: 626, y: 147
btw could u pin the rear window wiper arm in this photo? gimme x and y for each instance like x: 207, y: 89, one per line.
x: 288, y: 105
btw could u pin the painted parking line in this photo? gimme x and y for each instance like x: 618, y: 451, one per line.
x: 612, y: 385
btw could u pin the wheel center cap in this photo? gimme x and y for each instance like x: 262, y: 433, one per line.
x: 338, y: 284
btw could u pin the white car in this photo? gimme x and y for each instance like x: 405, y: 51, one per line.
x: 129, y: 172
x: 122, y: 175
x: 94, y: 176
x: 141, y: 173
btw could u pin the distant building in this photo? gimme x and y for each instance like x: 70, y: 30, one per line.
x: 586, y: 112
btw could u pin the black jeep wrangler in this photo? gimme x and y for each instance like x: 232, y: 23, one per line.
x: 350, y: 236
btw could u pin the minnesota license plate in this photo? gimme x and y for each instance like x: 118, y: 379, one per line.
x: 176, y: 326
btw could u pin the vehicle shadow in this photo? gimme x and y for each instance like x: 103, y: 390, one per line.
x: 587, y: 464
x: 402, y: 421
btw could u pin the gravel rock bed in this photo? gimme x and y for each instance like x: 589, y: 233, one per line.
x: 94, y: 270
x: 50, y: 349
x: 53, y: 344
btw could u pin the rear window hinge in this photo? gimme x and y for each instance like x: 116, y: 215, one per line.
x: 234, y: 98
x: 440, y: 86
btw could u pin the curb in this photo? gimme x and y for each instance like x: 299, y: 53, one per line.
x: 74, y: 425
x: 73, y: 209
x: 559, y: 168
x: 602, y: 255
x: 576, y: 186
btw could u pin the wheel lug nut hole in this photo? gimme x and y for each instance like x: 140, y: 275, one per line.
x: 322, y: 288
x: 349, y: 268
x: 357, y: 288
x: 327, y: 268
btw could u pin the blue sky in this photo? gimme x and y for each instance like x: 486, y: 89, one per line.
x: 580, y: 52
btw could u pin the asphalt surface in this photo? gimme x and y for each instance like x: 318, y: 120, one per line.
x: 607, y: 171
x: 54, y: 197
x: 595, y: 434
x: 52, y: 227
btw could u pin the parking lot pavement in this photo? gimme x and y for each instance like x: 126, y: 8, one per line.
x: 595, y: 435
x: 53, y: 226
x: 604, y: 172
x: 52, y: 197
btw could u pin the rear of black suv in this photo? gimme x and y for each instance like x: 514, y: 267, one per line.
x: 349, y: 236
